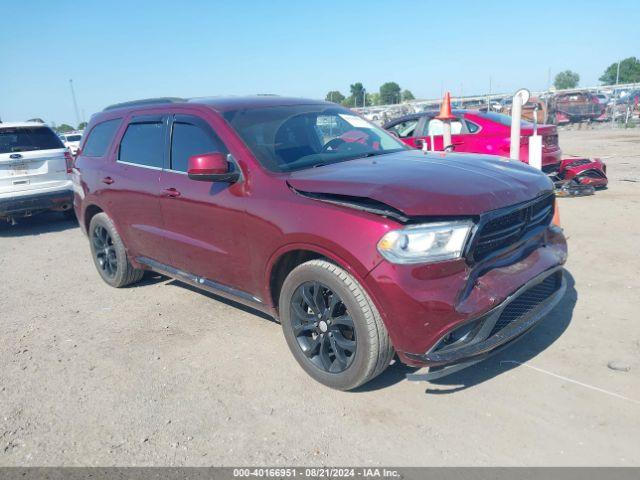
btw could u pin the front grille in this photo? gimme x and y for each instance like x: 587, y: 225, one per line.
x: 527, y: 301
x: 507, y: 229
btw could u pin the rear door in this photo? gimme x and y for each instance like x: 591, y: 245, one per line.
x: 131, y: 185
x: 32, y: 158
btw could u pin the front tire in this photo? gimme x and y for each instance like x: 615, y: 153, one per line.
x: 109, y: 254
x: 332, y: 327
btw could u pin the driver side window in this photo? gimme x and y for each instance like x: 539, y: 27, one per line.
x: 190, y: 137
x: 405, y: 129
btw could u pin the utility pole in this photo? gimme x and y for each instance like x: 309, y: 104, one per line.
x: 75, y: 103
x: 618, y: 73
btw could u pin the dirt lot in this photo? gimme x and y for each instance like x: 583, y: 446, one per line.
x: 160, y: 374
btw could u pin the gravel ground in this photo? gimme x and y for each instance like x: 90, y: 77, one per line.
x: 161, y: 374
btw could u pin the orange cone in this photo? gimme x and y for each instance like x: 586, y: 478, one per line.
x: 445, y: 108
x: 556, y: 214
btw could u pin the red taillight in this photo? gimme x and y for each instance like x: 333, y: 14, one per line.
x: 69, y: 161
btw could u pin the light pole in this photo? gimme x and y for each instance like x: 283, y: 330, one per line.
x: 618, y: 73
x: 75, y: 104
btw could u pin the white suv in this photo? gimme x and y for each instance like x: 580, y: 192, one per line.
x: 71, y: 140
x: 34, y: 171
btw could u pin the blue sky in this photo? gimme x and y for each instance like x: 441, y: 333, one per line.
x: 123, y: 50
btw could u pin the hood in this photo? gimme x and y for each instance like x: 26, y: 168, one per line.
x: 436, y: 184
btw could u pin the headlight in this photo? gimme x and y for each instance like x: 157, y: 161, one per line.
x: 426, y: 243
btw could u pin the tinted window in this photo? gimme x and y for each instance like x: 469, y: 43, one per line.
x: 187, y: 140
x: 73, y: 138
x: 26, y: 139
x: 143, y: 144
x: 100, y: 138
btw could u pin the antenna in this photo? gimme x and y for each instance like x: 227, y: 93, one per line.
x: 75, y: 103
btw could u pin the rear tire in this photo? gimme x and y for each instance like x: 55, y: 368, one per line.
x: 109, y: 254
x: 69, y: 214
x: 332, y: 327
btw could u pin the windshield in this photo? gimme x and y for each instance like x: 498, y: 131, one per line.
x: 288, y: 138
x: 23, y: 139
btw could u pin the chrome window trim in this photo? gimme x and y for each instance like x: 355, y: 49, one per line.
x: 138, y: 165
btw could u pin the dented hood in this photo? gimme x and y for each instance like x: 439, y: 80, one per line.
x: 435, y: 184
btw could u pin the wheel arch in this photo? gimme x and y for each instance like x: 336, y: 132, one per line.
x: 89, y: 212
x: 284, y: 260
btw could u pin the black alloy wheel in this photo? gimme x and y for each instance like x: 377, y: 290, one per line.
x: 104, y: 251
x: 323, y: 328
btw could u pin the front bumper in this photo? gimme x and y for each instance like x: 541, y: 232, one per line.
x: 504, y: 324
x: 25, y: 205
x: 422, y: 304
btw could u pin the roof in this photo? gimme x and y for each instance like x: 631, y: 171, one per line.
x: 221, y: 104
x: 22, y: 124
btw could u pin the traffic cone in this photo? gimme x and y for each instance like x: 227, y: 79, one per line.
x: 556, y: 214
x: 445, y: 108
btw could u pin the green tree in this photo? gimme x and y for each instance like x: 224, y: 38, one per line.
x: 566, y: 79
x: 357, y: 98
x: 629, y: 72
x: 373, y: 98
x: 407, y: 95
x: 64, y: 128
x: 82, y: 125
x: 389, y: 93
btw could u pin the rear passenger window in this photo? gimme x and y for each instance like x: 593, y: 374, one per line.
x: 189, y: 139
x: 100, y: 138
x: 143, y: 144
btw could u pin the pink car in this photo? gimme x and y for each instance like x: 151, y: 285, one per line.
x: 476, y: 132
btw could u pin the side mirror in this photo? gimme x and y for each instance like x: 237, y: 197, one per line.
x: 211, y: 167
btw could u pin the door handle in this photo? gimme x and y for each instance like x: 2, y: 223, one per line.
x: 107, y: 180
x: 171, y: 192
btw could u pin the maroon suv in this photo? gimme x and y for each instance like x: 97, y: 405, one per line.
x: 360, y: 246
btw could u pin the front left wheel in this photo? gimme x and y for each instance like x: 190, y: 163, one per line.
x: 332, y: 327
x: 109, y: 253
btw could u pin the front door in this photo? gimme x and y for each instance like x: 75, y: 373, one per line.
x: 203, y: 221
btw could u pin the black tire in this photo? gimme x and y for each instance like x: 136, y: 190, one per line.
x: 69, y: 214
x: 109, y: 254
x: 372, y: 350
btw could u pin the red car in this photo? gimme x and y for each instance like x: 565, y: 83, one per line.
x: 360, y: 246
x: 476, y: 132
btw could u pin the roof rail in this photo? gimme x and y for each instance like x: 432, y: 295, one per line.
x: 145, y: 101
